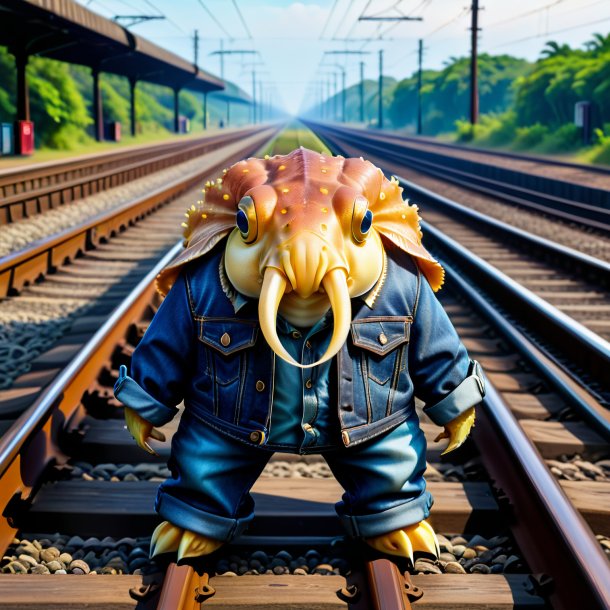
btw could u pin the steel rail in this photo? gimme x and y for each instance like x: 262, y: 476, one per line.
x: 584, y: 213
x: 546, y: 526
x: 184, y: 589
x: 22, y: 266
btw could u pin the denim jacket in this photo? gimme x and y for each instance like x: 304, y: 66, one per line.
x: 200, y: 350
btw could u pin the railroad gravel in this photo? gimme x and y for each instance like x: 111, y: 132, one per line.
x: 62, y: 554
x: 470, y: 471
x: 463, y: 554
x: 21, y: 234
x: 29, y: 326
x: 575, y: 468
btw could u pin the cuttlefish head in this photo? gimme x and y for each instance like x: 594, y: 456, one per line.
x: 306, y: 237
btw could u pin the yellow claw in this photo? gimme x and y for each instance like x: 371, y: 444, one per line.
x: 141, y: 429
x: 165, y: 539
x: 404, y: 542
x: 196, y: 545
x: 457, y: 430
x: 168, y: 538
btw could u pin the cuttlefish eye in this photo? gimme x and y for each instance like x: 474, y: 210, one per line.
x: 245, y: 219
x: 367, y: 222
x: 242, y: 222
x: 362, y: 219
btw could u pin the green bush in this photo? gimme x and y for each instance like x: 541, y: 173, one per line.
x: 566, y: 138
x: 530, y: 137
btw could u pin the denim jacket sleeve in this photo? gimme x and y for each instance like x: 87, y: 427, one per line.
x: 443, y: 375
x: 161, y: 363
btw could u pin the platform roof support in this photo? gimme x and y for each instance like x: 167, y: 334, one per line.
x: 177, y: 110
x: 132, y: 105
x: 98, y: 108
x: 23, y: 92
x: 228, y: 112
x: 205, y: 110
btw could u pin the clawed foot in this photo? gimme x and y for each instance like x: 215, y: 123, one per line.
x: 168, y: 538
x: 404, y: 542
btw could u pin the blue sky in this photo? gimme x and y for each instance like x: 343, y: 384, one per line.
x: 291, y: 37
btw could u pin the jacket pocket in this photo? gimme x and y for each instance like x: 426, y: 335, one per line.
x: 382, y: 343
x: 224, y: 339
x: 223, y: 357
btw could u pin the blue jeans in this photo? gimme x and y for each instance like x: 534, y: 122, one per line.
x: 212, y: 474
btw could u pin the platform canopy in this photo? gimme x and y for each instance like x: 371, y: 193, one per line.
x: 67, y: 31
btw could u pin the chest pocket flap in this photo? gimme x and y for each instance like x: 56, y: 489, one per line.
x: 381, y: 335
x: 228, y: 336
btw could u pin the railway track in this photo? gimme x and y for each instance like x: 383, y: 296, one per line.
x: 577, y: 195
x: 75, y: 421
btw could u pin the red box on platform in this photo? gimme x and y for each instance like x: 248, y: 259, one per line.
x: 24, y: 137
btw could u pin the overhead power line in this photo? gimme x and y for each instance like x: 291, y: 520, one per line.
x: 243, y: 21
x: 168, y: 19
x: 330, y: 15
x: 546, y: 7
x: 461, y: 14
x: 573, y: 27
x: 214, y: 19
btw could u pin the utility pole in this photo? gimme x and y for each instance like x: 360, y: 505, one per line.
x: 196, y: 47
x: 420, y: 52
x: 343, y: 94
x: 254, y: 96
x: 335, y: 110
x: 362, y: 92
x: 380, y: 108
x: 222, y: 60
x: 261, y: 104
x: 474, y: 87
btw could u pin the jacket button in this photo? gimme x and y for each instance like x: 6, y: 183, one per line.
x: 382, y: 339
x: 309, y: 384
x: 345, y: 437
x: 257, y: 437
x: 295, y: 334
x: 308, y: 428
x: 260, y: 386
x: 225, y: 339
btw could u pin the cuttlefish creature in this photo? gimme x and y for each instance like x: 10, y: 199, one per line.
x: 309, y: 235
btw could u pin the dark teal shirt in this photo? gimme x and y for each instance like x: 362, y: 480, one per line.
x: 300, y: 416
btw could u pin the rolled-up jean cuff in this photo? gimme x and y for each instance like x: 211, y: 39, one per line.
x: 183, y: 515
x: 376, y: 524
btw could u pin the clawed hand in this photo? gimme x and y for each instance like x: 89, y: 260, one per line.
x: 457, y: 430
x: 141, y: 429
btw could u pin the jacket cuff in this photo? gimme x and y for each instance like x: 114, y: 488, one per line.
x: 467, y: 394
x: 133, y: 396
